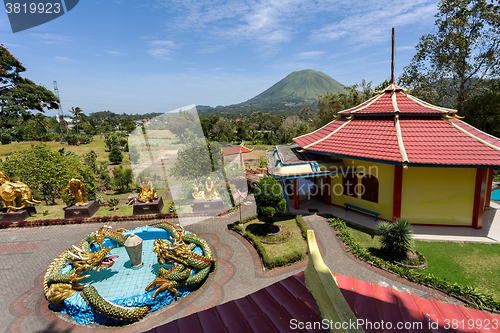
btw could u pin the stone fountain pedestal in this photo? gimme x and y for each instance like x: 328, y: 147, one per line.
x: 133, y: 245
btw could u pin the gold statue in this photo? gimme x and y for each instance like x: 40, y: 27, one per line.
x: 76, y: 189
x: 209, y: 194
x: 148, y: 192
x: 197, y: 194
x: 15, y: 192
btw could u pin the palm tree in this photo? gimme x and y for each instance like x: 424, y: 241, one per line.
x: 78, y: 116
x: 41, y: 122
x: 253, y: 136
x: 396, y: 238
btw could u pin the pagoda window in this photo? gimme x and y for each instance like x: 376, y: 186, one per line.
x: 369, y: 185
x: 350, y: 184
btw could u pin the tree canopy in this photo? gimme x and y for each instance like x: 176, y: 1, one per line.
x: 47, y: 172
x: 450, y: 65
x: 483, y: 110
x: 19, y: 97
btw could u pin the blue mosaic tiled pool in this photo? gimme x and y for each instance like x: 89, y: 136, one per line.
x: 123, y: 285
x: 123, y: 280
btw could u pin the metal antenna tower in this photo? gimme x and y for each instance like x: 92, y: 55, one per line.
x: 59, y: 111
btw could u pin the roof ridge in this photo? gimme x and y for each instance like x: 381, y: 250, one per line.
x: 472, y: 135
x: 402, y: 149
x: 368, y: 103
x: 477, y: 129
x: 329, y: 135
x: 394, y: 102
x: 319, y: 129
x: 428, y: 105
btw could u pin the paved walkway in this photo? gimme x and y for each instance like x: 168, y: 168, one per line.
x: 25, y: 255
x: 489, y: 233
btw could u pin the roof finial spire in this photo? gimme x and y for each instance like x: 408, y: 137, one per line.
x: 392, y: 62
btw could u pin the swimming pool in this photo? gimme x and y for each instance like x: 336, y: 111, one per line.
x: 495, y: 195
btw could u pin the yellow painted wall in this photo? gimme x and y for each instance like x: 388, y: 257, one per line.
x: 385, y: 176
x: 438, y: 195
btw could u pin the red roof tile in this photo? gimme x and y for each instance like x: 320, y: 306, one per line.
x: 267, y: 310
x: 375, y: 303
x: 405, y: 104
x: 309, y: 138
x: 367, y: 138
x: 426, y: 138
x: 235, y: 150
x: 271, y: 310
x: 435, y: 141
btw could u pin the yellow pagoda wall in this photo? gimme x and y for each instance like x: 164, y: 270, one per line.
x: 438, y: 195
x: 385, y: 175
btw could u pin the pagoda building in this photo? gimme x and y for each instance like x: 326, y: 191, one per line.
x: 395, y: 156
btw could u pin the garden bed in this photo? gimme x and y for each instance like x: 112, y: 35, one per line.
x: 275, y: 251
x: 361, y: 245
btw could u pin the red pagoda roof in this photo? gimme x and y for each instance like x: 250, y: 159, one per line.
x: 392, y: 100
x: 236, y: 150
x: 397, y: 128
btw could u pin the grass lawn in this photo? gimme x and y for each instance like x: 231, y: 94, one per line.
x: 97, y: 145
x: 278, y: 251
x: 463, y: 263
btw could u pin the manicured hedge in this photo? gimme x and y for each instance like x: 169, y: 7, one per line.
x: 302, y: 225
x: 467, y: 293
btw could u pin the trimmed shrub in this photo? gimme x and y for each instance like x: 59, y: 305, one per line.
x: 396, y: 237
x: 302, y: 226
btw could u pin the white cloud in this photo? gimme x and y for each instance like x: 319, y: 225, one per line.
x: 265, y: 23
x: 65, y: 59
x: 116, y: 53
x: 50, y: 39
x: 405, y: 48
x: 161, y: 49
x: 367, y: 22
x: 310, y: 54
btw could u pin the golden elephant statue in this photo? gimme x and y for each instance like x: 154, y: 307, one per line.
x: 14, y: 193
x: 77, y: 190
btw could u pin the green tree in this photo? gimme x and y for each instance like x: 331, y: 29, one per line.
x: 330, y: 105
x: 185, y: 126
x: 19, y: 97
x: 483, y: 110
x: 47, y: 172
x: 450, y: 65
x: 197, y: 160
x: 122, y: 178
x: 223, y: 130
x: 89, y: 160
x: 134, y: 154
x: 102, y: 177
x: 396, y: 238
x: 111, y: 140
x: 269, y: 196
x: 115, y: 155
x: 254, y: 136
x: 113, y: 203
x: 78, y: 117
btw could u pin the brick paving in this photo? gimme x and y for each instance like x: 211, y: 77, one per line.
x: 25, y: 255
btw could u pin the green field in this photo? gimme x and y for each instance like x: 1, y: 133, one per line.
x: 464, y: 263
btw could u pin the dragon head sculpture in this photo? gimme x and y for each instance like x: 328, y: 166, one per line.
x: 84, y: 261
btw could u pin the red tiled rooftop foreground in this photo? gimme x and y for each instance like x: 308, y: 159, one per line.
x: 287, y: 306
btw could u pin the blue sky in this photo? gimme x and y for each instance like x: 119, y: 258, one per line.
x: 131, y: 56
